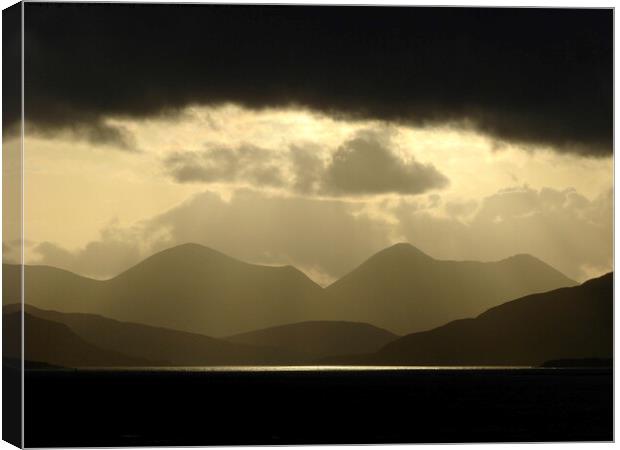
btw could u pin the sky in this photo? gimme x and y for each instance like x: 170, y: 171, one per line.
x: 314, y: 136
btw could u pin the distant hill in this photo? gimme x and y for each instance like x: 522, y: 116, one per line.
x: 404, y: 290
x: 189, y: 287
x: 50, y: 285
x: 166, y: 347
x: 564, y: 324
x: 320, y: 339
x: 55, y: 344
x: 199, y: 290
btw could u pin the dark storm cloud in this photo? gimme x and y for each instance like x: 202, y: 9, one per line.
x: 104, y: 134
x: 95, y: 132
x: 11, y: 75
x: 536, y: 76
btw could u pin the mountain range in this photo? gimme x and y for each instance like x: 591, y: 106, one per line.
x: 65, y: 338
x: 141, y: 345
x: 574, y: 323
x: 198, y: 290
x: 404, y: 290
x: 189, y: 287
x: 54, y: 343
x: 566, y: 326
x: 301, y: 343
x: 319, y: 339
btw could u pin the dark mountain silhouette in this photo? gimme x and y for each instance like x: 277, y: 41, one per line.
x: 189, y: 287
x: 55, y: 344
x: 567, y: 323
x: 320, y: 339
x: 199, y: 290
x: 166, y: 347
x: 404, y: 290
x: 300, y: 343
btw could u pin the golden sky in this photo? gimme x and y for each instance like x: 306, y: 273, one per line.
x: 290, y: 186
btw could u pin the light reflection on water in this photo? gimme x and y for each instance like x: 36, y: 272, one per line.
x: 301, y: 368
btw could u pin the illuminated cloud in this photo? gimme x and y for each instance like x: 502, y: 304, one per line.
x: 363, y: 165
x: 328, y: 238
x: 460, y: 208
x: 116, y: 249
x: 324, y: 235
x: 321, y: 194
x: 561, y: 227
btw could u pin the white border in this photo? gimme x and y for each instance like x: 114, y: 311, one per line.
x: 554, y: 4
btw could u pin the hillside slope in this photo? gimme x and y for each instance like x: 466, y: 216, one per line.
x: 320, y: 339
x: 566, y: 323
x: 54, y: 343
x: 167, y: 347
x: 404, y: 290
x: 199, y: 290
x: 189, y: 287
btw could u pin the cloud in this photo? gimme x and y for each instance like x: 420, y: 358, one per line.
x: 319, y: 235
x: 561, y: 227
x: 323, y: 237
x: 117, y: 249
x: 104, y: 134
x: 11, y: 252
x: 95, y: 132
x: 307, y: 167
x: 365, y: 165
x: 472, y: 67
x: 460, y: 209
x: 246, y: 163
x: 328, y: 238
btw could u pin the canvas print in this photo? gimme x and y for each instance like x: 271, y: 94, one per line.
x: 286, y: 224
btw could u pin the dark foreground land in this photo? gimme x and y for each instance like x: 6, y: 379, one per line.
x: 116, y: 408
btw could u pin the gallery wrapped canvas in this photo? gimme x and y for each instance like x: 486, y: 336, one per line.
x: 286, y: 224
x: 12, y: 224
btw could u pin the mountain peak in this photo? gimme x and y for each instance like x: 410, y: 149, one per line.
x: 403, y: 249
x: 530, y: 263
x: 401, y: 255
x: 190, y: 248
x: 523, y: 257
x: 182, y: 257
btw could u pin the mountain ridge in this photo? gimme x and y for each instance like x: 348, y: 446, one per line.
x: 412, y: 280
x: 167, y: 347
x: 191, y: 245
x: 55, y: 343
x: 568, y: 323
x: 319, y: 338
x: 197, y: 289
